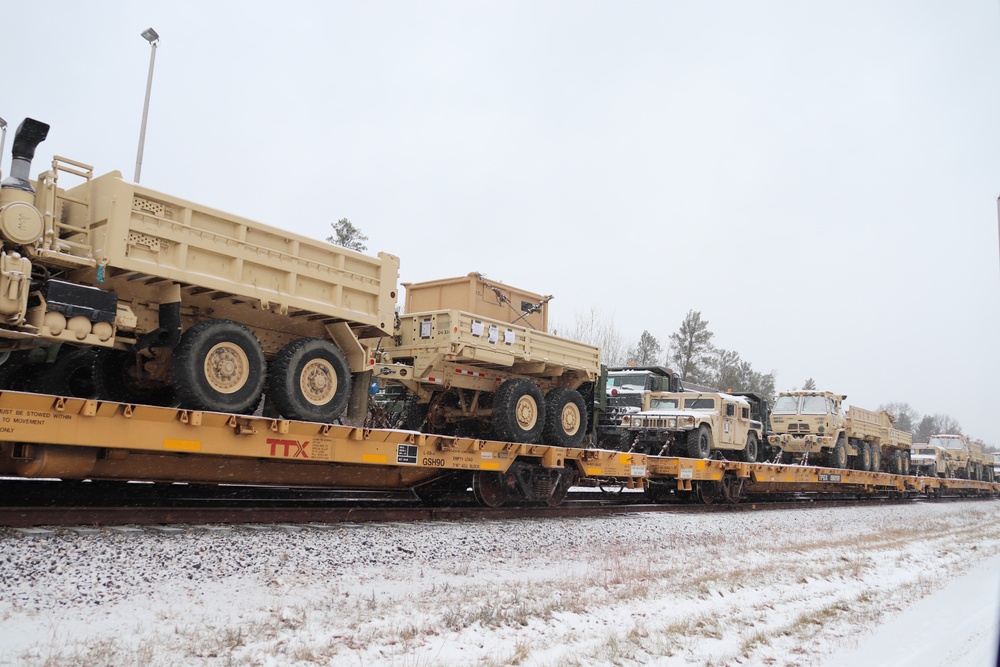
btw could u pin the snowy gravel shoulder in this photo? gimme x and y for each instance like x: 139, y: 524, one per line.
x: 793, y: 587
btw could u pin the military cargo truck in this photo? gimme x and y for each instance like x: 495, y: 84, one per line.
x: 477, y: 360
x: 697, y: 425
x: 958, y: 457
x: 814, y: 423
x: 114, y: 290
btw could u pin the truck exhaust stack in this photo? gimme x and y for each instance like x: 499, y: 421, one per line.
x: 29, y: 134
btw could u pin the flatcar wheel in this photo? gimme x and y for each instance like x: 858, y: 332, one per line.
x: 707, y: 492
x: 219, y: 365
x: 310, y: 380
x: 561, y: 490
x: 732, y: 488
x: 565, y: 418
x: 492, y: 489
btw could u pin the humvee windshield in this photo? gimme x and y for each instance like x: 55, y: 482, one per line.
x: 699, y: 403
x: 630, y: 380
x: 924, y: 452
x: 786, y: 405
x: 663, y: 404
x: 947, y: 443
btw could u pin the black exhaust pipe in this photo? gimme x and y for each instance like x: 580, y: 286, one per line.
x: 29, y: 134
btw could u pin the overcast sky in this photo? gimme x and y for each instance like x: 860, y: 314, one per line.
x: 818, y: 179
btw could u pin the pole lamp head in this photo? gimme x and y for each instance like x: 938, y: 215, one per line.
x: 150, y: 36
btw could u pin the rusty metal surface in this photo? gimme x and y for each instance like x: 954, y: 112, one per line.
x: 23, y: 517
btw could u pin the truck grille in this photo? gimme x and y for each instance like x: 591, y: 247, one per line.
x: 798, y: 428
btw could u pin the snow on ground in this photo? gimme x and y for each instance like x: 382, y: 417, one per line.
x: 830, y: 587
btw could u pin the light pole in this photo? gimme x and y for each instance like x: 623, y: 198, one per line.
x: 3, y: 137
x: 150, y: 36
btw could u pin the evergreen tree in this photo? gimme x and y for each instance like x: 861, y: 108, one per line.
x: 691, y: 349
x: 810, y: 385
x: 647, y: 351
x: 348, y: 236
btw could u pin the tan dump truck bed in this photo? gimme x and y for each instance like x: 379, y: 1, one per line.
x: 138, y: 233
x: 459, y: 337
x: 875, y: 427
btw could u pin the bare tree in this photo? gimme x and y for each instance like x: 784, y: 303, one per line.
x: 691, y: 348
x: 904, y: 416
x: 348, y: 236
x: 810, y: 385
x: 598, y: 328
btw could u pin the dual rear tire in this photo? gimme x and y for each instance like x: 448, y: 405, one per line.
x: 219, y: 365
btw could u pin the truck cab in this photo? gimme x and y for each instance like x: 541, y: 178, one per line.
x: 957, y: 455
x: 625, y: 388
x: 806, y: 421
x: 696, y: 425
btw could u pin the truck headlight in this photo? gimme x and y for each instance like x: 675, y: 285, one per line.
x: 686, y: 422
x: 672, y: 423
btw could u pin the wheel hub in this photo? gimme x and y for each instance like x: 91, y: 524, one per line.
x: 227, y: 368
x: 526, y: 413
x: 318, y: 381
x: 570, y: 419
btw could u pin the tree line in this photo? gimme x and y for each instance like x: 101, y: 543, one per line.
x: 692, y: 355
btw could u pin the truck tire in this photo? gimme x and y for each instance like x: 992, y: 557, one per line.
x: 751, y: 452
x: 518, y: 412
x: 876, y: 458
x: 837, y: 457
x: 115, y: 379
x: 219, y: 366
x: 895, y: 462
x: 71, y: 374
x: 699, y: 442
x: 310, y: 380
x: 565, y: 418
x: 864, y: 457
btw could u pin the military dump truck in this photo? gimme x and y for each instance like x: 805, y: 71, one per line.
x: 477, y: 360
x: 814, y: 423
x: 625, y: 388
x: 113, y: 290
x: 697, y: 424
x: 927, y: 460
x: 963, y: 459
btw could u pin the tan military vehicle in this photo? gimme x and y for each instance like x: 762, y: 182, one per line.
x: 112, y: 289
x: 477, y: 360
x: 696, y: 425
x: 814, y: 424
x: 927, y: 460
x: 962, y: 458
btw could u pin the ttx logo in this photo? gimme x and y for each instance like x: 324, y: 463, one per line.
x: 293, y: 449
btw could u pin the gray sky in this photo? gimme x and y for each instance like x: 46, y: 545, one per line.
x: 818, y: 179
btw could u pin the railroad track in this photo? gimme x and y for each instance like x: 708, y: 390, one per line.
x: 69, y: 516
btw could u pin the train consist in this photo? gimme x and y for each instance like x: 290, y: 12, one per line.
x: 145, y: 337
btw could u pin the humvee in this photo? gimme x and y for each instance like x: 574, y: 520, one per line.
x: 698, y: 424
